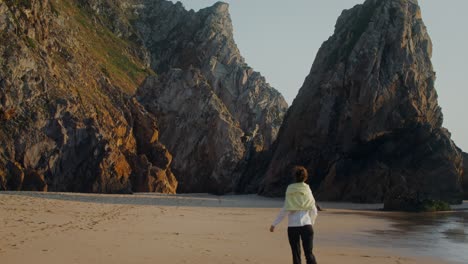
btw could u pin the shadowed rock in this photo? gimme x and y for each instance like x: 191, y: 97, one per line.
x: 465, y: 175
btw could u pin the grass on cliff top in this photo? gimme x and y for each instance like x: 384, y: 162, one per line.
x: 110, y: 53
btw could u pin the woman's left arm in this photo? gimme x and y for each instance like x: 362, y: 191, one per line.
x: 313, y: 214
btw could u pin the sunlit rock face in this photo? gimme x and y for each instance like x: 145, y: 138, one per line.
x: 366, y: 122
x: 68, y: 121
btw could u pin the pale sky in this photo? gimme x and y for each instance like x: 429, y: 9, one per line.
x: 280, y: 39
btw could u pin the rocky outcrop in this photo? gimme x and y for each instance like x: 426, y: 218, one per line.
x: 215, y: 111
x: 366, y: 122
x: 68, y: 120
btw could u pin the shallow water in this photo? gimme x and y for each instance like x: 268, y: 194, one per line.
x: 438, y: 235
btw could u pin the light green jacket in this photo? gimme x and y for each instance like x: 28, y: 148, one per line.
x: 299, y: 197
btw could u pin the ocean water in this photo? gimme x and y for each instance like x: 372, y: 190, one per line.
x: 442, y: 235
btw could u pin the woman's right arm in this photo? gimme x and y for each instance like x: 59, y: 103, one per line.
x: 278, y: 219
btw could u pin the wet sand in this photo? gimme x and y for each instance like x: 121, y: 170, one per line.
x: 151, y: 228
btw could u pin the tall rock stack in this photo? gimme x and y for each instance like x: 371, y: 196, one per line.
x: 366, y: 122
x: 216, y: 112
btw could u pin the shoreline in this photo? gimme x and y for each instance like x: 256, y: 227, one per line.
x: 187, y: 228
x: 206, y: 199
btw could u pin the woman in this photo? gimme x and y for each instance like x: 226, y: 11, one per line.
x: 300, y: 207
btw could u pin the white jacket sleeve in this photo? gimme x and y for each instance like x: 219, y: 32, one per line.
x: 280, y: 217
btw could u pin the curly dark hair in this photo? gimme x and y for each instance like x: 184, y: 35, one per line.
x: 300, y: 173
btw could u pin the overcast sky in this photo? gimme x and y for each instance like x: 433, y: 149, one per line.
x: 280, y: 40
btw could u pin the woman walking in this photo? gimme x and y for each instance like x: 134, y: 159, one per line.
x: 299, y: 206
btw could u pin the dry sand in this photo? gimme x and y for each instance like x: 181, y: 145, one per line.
x: 150, y: 228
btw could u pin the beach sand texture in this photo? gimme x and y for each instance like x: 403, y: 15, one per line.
x: 150, y: 228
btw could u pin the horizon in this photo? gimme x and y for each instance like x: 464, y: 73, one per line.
x: 257, y: 39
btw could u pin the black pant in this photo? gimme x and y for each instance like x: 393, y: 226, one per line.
x: 306, y: 234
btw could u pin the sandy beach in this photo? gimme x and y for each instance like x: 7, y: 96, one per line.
x: 152, y: 228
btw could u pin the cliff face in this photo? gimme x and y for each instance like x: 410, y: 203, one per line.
x: 366, y: 122
x: 68, y: 120
x: 216, y: 111
x: 182, y: 39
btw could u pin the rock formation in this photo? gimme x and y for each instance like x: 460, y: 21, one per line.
x: 198, y: 128
x: 67, y: 118
x: 215, y: 111
x: 177, y: 38
x: 366, y: 122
